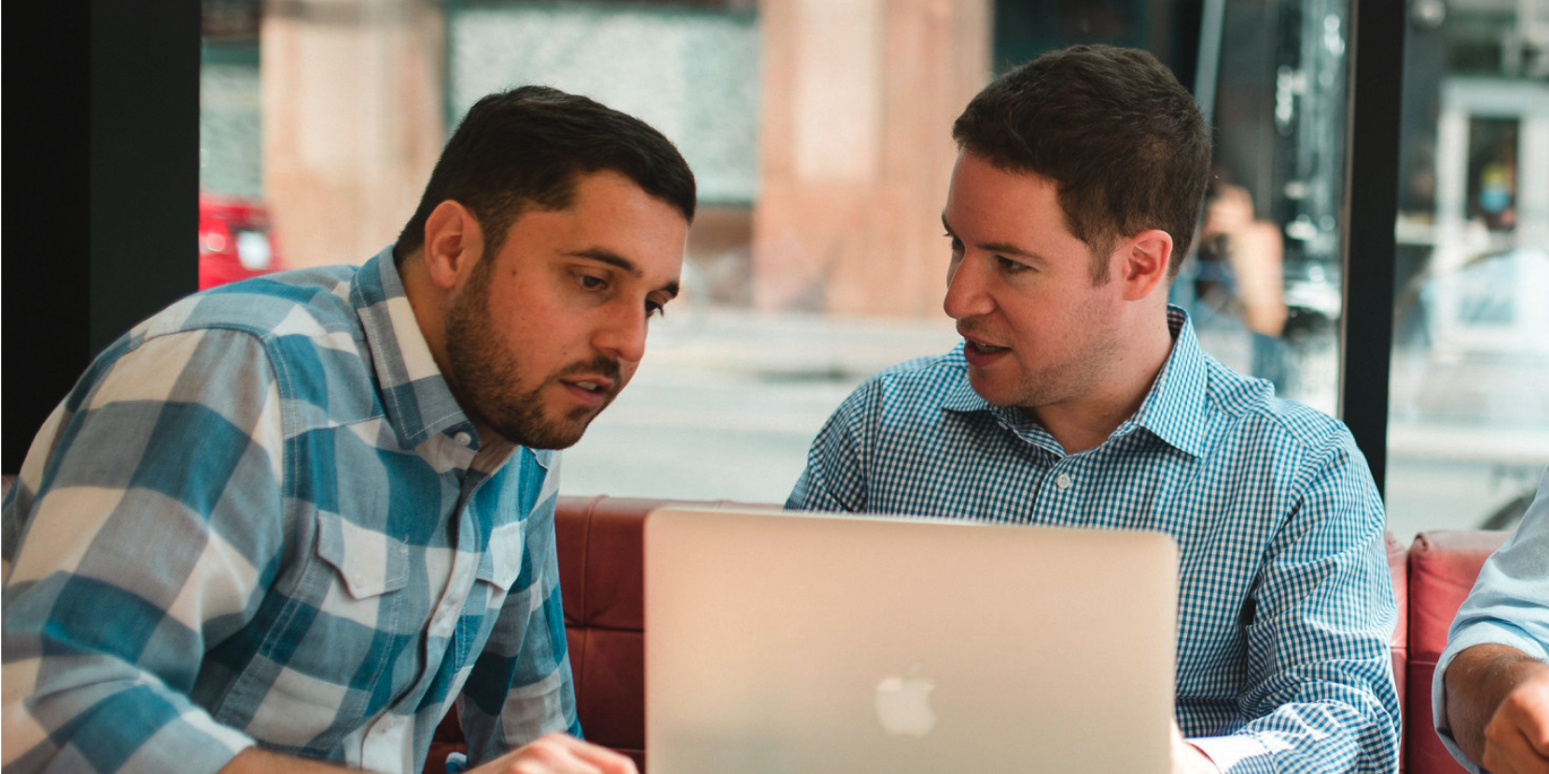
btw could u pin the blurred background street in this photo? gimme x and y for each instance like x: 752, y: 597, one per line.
x: 726, y: 404
x: 819, y: 134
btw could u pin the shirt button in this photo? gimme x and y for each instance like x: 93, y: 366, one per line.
x: 464, y: 439
x: 1062, y: 481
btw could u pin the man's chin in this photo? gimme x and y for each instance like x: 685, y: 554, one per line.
x: 990, y: 390
x: 550, y: 434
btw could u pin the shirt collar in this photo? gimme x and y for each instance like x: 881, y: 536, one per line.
x: 1172, y: 409
x: 415, y: 395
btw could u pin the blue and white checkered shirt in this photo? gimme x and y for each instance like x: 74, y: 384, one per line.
x: 261, y: 516
x: 1286, y: 605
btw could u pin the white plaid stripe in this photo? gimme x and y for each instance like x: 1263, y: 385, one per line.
x: 253, y: 520
x: 1273, y: 508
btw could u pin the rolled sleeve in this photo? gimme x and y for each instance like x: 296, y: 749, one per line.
x: 1320, y: 695
x: 1509, y: 605
x: 103, y: 644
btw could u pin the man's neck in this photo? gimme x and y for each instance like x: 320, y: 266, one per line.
x: 1086, y: 421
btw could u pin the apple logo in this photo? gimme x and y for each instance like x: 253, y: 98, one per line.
x: 903, y: 704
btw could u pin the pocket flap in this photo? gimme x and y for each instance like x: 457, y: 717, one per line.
x: 370, y: 562
x: 503, y: 561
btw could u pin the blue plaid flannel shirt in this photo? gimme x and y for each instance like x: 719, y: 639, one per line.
x: 1286, y: 604
x: 261, y: 516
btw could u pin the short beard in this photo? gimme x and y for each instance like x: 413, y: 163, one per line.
x: 484, y: 374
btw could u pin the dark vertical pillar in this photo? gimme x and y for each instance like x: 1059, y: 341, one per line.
x: 144, y: 160
x: 102, y: 191
x: 1376, y: 86
x: 47, y: 335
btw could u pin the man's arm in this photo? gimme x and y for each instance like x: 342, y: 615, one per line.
x: 1319, y: 694
x: 1490, y: 695
x: 1498, y: 708
x: 550, y: 754
x: 135, y: 547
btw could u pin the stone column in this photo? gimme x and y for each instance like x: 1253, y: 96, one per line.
x: 856, y: 149
x: 352, y: 112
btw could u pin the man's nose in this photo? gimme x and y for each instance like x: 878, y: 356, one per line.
x: 966, y: 296
x: 622, y: 333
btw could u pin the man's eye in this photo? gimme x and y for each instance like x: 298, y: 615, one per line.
x: 957, y: 244
x: 591, y: 283
x: 653, y: 309
x: 1009, y: 266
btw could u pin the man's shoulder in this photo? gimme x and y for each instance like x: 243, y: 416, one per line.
x: 1249, y: 406
x: 925, y: 379
x: 312, y: 303
x: 302, y: 325
x: 908, y: 393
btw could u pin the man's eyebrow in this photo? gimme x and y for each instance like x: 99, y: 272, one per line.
x: 618, y: 261
x: 1004, y: 248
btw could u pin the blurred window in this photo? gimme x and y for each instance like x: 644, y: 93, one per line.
x: 1468, y: 432
x: 1265, y: 289
x: 819, y: 132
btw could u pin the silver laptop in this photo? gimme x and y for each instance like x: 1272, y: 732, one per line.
x: 785, y: 643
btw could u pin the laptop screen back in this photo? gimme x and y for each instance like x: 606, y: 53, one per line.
x: 784, y: 642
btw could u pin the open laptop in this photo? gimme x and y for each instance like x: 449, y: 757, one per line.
x: 807, y: 643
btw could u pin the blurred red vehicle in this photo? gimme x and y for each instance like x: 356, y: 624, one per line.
x: 236, y: 240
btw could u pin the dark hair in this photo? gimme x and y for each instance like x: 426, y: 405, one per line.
x: 527, y: 146
x: 1114, y: 130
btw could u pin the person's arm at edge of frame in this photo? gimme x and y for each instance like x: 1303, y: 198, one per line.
x: 1498, y: 708
x: 1490, y: 695
x: 1340, y: 505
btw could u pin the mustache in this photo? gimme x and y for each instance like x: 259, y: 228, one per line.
x: 600, y: 366
x: 969, y: 328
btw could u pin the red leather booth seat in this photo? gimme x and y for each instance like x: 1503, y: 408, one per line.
x: 1398, y: 566
x: 1442, y: 569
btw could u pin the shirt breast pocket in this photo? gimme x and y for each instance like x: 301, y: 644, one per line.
x: 370, y: 569
x: 324, y: 653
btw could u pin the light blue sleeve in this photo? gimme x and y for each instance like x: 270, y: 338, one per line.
x: 1509, y: 605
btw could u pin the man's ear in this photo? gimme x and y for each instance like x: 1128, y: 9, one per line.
x: 453, y: 244
x: 1144, y: 262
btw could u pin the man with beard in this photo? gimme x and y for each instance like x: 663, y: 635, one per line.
x: 285, y: 525
x: 1079, y: 398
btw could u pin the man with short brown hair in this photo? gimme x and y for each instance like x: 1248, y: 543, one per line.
x: 1080, y: 398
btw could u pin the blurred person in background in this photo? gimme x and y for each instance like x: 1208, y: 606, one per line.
x: 1080, y: 398
x: 285, y: 524
x: 1253, y: 250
